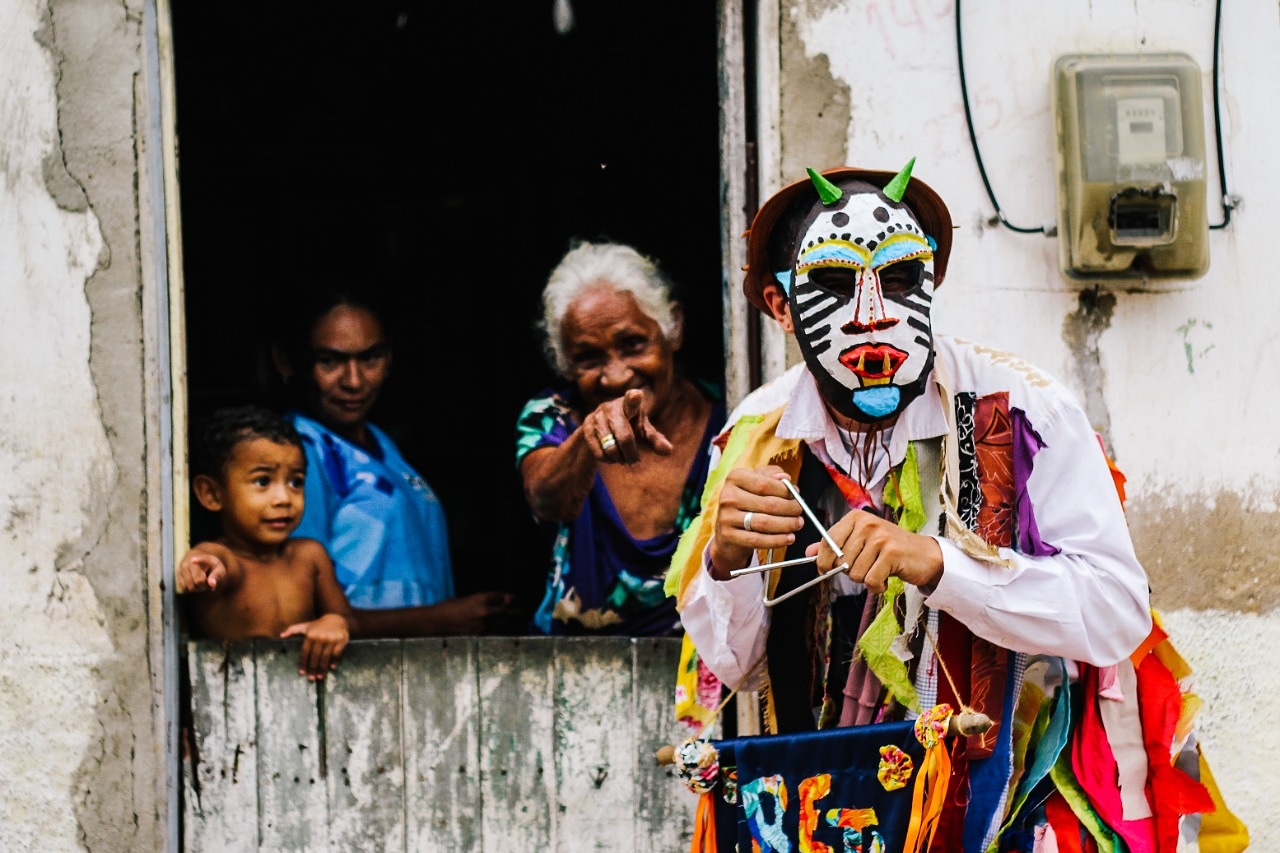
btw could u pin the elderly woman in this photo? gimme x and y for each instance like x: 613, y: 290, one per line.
x: 613, y: 464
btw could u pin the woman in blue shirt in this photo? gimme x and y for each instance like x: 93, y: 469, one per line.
x: 377, y: 516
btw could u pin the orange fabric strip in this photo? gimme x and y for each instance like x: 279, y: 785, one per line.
x: 927, y: 797
x: 704, y: 825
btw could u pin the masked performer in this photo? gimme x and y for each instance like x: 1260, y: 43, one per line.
x: 982, y: 550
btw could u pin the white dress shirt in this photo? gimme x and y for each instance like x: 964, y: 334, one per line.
x: 1089, y: 602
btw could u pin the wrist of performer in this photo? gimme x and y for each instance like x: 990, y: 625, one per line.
x: 715, y: 571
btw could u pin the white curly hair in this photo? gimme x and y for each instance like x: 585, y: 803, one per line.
x: 615, y: 265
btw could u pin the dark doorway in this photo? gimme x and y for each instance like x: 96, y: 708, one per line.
x: 444, y: 154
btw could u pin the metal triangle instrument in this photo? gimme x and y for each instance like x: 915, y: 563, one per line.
x: 798, y: 561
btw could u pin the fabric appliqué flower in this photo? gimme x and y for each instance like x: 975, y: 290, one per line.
x: 698, y: 764
x: 895, y: 768
x: 931, y: 726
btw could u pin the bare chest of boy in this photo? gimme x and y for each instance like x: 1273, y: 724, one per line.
x: 271, y: 596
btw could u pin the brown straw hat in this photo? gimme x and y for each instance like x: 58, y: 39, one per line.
x: 926, y: 204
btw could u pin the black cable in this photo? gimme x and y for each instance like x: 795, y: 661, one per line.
x: 1227, y: 203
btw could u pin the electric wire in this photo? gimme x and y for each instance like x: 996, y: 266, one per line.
x: 1228, y: 202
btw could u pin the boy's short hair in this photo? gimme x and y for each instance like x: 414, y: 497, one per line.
x: 231, y: 425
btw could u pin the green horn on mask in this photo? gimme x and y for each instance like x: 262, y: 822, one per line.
x: 897, y: 188
x: 827, y: 191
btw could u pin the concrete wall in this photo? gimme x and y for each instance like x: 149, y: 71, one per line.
x: 80, y: 734
x: 1179, y: 377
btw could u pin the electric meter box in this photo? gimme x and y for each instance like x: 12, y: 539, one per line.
x: 1131, y: 168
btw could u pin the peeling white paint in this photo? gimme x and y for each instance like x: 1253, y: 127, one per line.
x: 54, y: 460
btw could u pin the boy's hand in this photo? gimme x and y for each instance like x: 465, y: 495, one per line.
x: 199, y: 572
x: 323, y: 642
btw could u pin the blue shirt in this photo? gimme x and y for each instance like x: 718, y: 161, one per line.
x: 380, y: 521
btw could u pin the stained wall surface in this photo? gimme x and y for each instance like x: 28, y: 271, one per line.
x: 80, y: 735
x: 1174, y: 373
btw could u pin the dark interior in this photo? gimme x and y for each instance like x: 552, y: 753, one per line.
x: 442, y: 155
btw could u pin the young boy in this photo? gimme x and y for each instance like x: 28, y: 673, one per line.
x: 254, y: 581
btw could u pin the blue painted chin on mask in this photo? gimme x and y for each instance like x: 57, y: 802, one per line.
x: 878, y: 402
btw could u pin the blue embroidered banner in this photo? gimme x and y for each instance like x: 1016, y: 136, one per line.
x: 845, y: 790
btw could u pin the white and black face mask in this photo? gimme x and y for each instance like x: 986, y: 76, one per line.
x: 861, y: 292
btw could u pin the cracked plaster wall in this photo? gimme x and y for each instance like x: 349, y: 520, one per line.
x: 1178, y: 376
x: 78, y: 758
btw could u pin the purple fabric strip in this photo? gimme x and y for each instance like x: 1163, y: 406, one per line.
x: 1026, y: 444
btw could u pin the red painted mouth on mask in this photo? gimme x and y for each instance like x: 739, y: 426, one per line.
x: 874, y: 364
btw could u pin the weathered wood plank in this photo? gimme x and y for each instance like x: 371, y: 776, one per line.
x: 665, y: 808
x: 595, y: 745
x: 457, y: 745
x: 291, y: 770
x: 517, y: 745
x: 222, y: 792
x: 442, y: 745
x: 362, y: 742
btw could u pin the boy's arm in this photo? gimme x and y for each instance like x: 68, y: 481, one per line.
x: 207, y: 567
x: 329, y: 597
x: 325, y: 637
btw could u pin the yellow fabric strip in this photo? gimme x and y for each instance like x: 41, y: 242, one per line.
x: 1220, y: 830
x: 688, y: 709
x: 752, y: 443
x: 1026, y: 737
x: 1167, y: 654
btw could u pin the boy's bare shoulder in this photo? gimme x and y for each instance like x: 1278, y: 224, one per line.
x: 303, y: 548
x: 215, y: 548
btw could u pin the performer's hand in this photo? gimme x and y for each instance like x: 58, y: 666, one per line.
x: 756, y: 499
x: 876, y: 549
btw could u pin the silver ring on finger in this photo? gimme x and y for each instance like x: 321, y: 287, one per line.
x: 746, y: 522
x: 608, y: 441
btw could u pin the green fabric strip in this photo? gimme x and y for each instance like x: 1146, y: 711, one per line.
x: 874, y: 645
x: 905, y: 500
x: 1065, y: 780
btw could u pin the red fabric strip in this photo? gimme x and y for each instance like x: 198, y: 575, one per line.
x: 1170, y: 791
x: 1095, y: 767
x: 1066, y: 826
x: 993, y: 447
